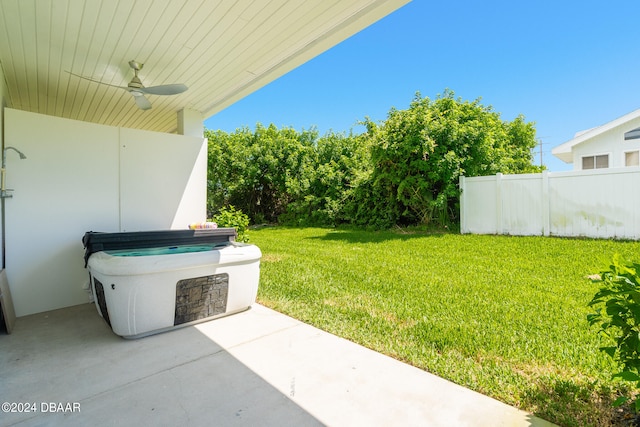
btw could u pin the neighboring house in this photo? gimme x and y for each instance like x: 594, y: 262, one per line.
x: 613, y: 145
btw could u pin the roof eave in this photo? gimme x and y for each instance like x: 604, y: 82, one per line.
x: 564, y: 151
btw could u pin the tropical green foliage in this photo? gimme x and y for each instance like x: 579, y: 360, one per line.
x: 618, y: 316
x: 337, y: 165
x: 259, y: 172
x: 405, y: 170
x: 229, y: 216
x: 283, y: 175
x: 420, y: 153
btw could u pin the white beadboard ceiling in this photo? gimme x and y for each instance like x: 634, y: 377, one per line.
x: 222, y: 50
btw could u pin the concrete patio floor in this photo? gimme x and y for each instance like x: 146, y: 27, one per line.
x: 257, y: 368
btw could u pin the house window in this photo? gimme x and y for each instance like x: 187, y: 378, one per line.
x: 632, y: 134
x: 595, y: 162
x: 632, y: 158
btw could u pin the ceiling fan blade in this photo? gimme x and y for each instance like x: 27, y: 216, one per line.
x: 138, y: 91
x: 142, y: 102
x: 172, y: 89
x: 97, y: 81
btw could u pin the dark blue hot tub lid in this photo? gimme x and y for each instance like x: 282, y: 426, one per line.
x: 94, y: 241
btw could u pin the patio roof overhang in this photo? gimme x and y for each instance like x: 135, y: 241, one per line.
x: 222, y: 50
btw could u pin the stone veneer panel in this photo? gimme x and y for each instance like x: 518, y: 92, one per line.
x: 102, y: 301
x: 201, y: 297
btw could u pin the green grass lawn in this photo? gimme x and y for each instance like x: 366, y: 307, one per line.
x: 505, y: 316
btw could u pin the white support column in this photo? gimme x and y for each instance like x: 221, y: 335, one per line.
x: 190, y: 123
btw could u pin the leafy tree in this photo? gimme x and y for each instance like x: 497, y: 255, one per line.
x: 403, y: 171
x: 259, y: 172
x: 333, y: 174
x: 419, y: 154
x: 229, y: 168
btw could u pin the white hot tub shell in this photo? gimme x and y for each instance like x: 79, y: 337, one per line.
x: 150, y: 290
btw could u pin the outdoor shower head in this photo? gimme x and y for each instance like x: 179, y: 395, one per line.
x: 4, y: 155
x: 20, y: 153
x: 3, y: 191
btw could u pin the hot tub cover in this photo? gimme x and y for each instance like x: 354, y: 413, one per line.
x: 97, y: 241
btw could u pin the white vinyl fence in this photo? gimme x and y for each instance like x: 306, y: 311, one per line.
x: 596, y: 203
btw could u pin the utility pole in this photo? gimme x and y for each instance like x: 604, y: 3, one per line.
x: 540, y: 144
x: 540, y: 140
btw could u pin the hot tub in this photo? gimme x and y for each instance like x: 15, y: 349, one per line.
x: 141, y: 288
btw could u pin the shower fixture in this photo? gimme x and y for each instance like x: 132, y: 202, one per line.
x: 4, y: 193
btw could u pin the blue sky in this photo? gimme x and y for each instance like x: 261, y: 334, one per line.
x: 565, y: 65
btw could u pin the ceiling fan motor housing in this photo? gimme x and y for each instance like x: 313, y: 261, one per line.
x: 135, y: 83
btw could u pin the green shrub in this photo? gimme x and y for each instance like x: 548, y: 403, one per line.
x: 285, y: 176
x: 232, y: 217
x: 618, y: 316
x: 261, y: 172
x: 419, y: 154
x: 403, y: 171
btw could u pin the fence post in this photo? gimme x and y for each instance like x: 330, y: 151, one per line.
x: 463, y: 212
x: 498, y: 203
x: 546, y: 225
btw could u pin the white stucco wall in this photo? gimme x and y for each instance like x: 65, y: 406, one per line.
x: 81, y: 177
x: 163, y: 180
x: 3, y: 91
x: 3, y: 103
x: 611, y: 142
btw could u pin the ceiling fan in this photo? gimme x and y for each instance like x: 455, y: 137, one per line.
x: 137, y: 89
